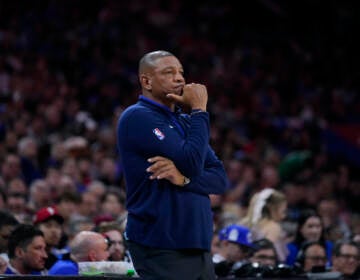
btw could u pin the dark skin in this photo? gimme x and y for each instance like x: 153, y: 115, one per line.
x: 164, y: 83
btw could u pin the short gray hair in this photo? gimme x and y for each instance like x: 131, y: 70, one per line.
x: 149, y: 59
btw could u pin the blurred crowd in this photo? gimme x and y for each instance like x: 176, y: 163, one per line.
x: 67, y: 73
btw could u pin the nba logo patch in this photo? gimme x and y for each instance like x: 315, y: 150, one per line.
x: 159, y: 134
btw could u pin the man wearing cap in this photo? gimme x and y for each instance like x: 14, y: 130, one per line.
x: 49, y: 221
x: 235, y: 243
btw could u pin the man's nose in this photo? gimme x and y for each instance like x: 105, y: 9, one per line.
x: 179, y: 77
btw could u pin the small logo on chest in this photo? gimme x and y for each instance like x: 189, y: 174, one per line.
x: 158, y: 133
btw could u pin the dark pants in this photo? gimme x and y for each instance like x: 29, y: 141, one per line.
x: 153, y: 263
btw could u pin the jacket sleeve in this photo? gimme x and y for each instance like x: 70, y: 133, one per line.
x: 212, y: 180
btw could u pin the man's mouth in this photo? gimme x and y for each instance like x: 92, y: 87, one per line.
x: 179, y: 89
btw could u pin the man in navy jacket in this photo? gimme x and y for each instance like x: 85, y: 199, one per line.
x: 170, y: 170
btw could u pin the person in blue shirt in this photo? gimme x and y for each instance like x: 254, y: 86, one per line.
x: 27, y: 251
x: 86, y: 246
x: 309, y: 229
x: 170, y: 170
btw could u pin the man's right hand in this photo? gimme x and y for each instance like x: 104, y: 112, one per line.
x: 194, y: 96
x: 164, y: 168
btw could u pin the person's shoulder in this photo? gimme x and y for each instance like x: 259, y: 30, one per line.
x: 292, y: 245
x: 274, y: 224
x: 9, y: 271
x: 271, y: 228
x: 270, y: 224
x: 64, y: 267
x: 134, y: 111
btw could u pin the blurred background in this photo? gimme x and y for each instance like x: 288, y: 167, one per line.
x: 282, y: 77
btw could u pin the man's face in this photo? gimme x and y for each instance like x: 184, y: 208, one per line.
x: 235, y: 252
x: 117, y: 248
x: 265, y: 257
x: 52, y: 232
x: 67, y: 208
x: 16, y: 204
x: 111, y: 205
x: 4, y: 236
x: 347, y: 261
x: 89, y: 205
x: 167, y: 77
x: 101, y: 250
x: 34, y: 255
x: 314, y: 256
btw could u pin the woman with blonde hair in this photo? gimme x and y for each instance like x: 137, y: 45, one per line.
x: 266, y: 210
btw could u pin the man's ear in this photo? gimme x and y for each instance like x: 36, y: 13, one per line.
x: 145, y: 81
x: 19, y: 252
x: 92, y: 255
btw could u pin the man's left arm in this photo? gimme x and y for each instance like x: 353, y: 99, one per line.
x: 212, y: 180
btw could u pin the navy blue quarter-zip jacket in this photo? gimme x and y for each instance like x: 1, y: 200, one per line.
x: 160, y: 214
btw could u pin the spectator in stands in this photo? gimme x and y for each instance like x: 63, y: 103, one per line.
x: 117, y: 250
x: 57, y: 154
x: 49, y: 221
x: 264, y: 253
x: 27, y: 251
x: 70, y: 168
x: 17, y: 186
x: 7, y: 223
x: 113, y: 203
x: 311, y: 257
x: 334, y: 225
x: 53, y: 177
x: 11, y: 168
x: 30, y: 166
x: 79, y: 224
x: 64, y: 184
x: 40, y: 195
x: 97, y: 187
x: 243, y: 175
x: 309, y: 229
x: 108, y: 172
x: 88, y: 207
x: 66, y: 206
x: 16, y: 204
x: 269, y: 177
x: 345, y: 259
x: 86, y: 246
x: 266, y: 211
x: 234, y: 249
